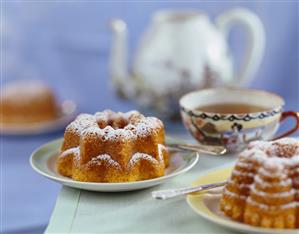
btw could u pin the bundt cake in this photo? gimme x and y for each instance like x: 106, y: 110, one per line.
x: 263, y: 189
x: 24, y: 102
x: 113, y: 147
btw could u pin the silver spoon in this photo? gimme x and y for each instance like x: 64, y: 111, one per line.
x: 166, y: 194
x: 207, y: 149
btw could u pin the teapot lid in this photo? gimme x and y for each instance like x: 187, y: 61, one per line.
x: 177, y: 15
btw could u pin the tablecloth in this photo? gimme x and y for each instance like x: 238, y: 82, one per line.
x: 79, y: 211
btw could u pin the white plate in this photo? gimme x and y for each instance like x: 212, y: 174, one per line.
x: 206, y: 205
x: 43, y: 161
x: 68, y: 113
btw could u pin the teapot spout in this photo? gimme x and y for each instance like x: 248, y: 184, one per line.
x: 118, y: 56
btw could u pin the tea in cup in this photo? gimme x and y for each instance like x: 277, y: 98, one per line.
x: 233, y: 117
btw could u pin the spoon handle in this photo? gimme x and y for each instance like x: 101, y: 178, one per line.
x: 208, y: 149
x: 166, y: 194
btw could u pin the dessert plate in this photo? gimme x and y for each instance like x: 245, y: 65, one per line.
x: 67, y: 114
x: 206, y: 204
x: 43, y: 161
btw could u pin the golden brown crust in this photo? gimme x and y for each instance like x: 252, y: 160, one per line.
x: 263, y: 189
x: 28, y: 102
x: 114, y: 147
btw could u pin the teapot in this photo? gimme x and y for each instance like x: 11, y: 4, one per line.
x: 182, y: 51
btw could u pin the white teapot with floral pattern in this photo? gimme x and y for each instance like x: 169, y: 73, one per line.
x: 182, y: 51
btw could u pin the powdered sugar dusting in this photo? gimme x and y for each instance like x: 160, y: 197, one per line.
x: 271, y: 208
x: 75, y: 151
x: 275, y: 165
x: 129, y: 114
x: 116, y: 125
x: 261, y: 145
x: 240, y: 185
x: 263, y: 166
x: 295, y: 160
x: 161, y: 148
x: 271, y: 195
x: 104, y: 158
x: 286, y: 141
x: 141, y: 156
x: 254, y: 153
x: 241, y: 173
x: 264, y: 184
x: 232, y: 194
x: 244, y: 164
x: 82, y: 122
x: 285, y: 151
x: 109, y: 134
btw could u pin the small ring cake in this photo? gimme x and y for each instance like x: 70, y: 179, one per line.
x: 263, y: 189
x: 113, y: 147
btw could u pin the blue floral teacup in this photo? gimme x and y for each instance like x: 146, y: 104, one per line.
x: 234, y: 130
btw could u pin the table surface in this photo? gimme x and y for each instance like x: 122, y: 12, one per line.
x: 28, y: 199
x: 79, y: 211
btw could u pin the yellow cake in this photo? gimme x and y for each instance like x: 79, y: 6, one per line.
x: 24, y: 102
x: 113, y: 147
x: 263, y: 189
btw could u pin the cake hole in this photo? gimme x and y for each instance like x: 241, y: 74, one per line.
x: 116, y: 122
x: 284, y: 150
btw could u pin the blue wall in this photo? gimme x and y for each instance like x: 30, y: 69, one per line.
x: 67, y: 44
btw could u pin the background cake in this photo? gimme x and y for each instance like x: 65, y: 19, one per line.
x: 24, y: 102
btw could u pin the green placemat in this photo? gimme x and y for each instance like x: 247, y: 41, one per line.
x: 78, y: 211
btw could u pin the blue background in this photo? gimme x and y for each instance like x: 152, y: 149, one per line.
x: 67, y: 44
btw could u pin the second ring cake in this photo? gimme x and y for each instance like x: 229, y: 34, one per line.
x: 263, y: 189
x: 113, y: 147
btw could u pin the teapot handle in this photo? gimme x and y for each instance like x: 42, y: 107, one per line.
x: 256, y: 40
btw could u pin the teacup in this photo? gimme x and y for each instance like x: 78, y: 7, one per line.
x: 234, y: 130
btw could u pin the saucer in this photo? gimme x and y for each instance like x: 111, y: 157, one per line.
x: 67, y: 114
x: 43, y: 161
x: 206, y: 205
